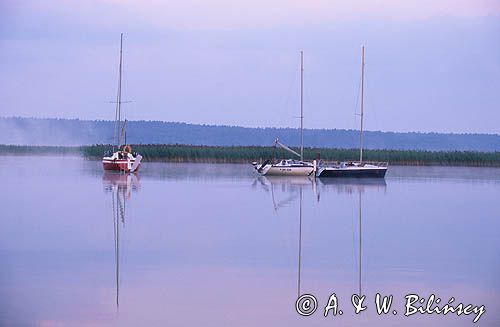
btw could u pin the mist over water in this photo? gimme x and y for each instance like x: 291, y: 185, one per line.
x: 216, y: 245
x: 55, y: 132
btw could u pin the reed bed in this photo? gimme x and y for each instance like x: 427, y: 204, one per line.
x: 246, y: 154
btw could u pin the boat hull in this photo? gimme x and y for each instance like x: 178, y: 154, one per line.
x: 118, y: 165
x: 288, y: 171
x: 353, y: 172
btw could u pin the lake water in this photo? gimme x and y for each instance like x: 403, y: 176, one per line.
x: 215, y: 245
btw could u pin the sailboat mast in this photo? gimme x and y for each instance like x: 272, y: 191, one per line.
x: 362, y: 103
x: 301, y: 105
x: 119, y: 98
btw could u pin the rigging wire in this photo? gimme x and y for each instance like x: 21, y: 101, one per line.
x: 372, y: 108
x: 356, y: 106
x: 286, y: 104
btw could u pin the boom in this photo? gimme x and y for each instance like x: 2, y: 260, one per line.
x: 281, y: 145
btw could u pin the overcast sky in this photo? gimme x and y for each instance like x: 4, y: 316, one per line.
x: 430, y: 65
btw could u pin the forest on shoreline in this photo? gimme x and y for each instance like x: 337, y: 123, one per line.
x: 75, y: 132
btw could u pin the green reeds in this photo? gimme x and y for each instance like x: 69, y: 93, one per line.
x: 246, y: 154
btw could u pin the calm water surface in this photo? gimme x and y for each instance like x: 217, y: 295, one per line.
x: 215, y: 245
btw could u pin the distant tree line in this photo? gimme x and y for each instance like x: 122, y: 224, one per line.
x: 74, y: 132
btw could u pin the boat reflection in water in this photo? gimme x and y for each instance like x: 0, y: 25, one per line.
x: 120, y: 186
x: 354, y: 186
x: 290, y: 185
x: 350, y: 185
x: 295, y: 187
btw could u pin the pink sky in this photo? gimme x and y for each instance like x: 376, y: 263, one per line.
x: 259, y: 13
x: 234, y: 62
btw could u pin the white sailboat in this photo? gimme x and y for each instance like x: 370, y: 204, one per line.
x: 360, y: 169
x: 121, y: 158
x: 290, y: 167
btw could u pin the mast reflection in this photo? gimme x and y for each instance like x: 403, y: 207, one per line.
x: 293, y: 188
x: 120, y: 186
x: 353, y: 186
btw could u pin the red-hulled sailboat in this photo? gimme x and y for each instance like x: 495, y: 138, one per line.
x: 121, y: 158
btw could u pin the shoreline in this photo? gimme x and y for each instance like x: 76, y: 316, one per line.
x: 246, y: 154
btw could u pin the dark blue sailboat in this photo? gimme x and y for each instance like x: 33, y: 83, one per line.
x: 356, y: 169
